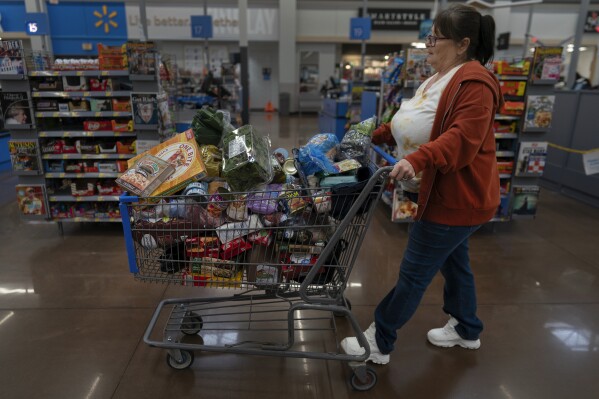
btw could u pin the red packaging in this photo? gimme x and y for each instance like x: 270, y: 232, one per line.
x: 192, y: 279
x: 121, y: 105
x: 121, y: 126
x: 262, y: 237
x: 234, y: 248
x: 97, y: 125
x: 100, y: 84
x: 202, y: 247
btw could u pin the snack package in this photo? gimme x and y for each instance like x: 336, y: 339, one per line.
x: 262, y: 237
x: 147, y: 174
x: 347, y: 165
x: 246, y: 159
x: 264, y: 202
x: 237, y: 209
x: 291, y: 200
x: 230, y: 231
x: 202, y: 218
x: 356, y: 142
x: 212, y: 158
x: 318, y: 154
x: 183, y: 153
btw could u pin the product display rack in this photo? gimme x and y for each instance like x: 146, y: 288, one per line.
x: 507, y: 142
x: 48, y: 127
x: 517, y: 184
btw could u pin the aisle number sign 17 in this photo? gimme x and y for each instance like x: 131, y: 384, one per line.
x: 359, y: 28
x: 201, y: 26
x: 36, y: 23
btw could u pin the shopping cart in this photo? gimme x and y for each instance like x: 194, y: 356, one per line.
x: 287, y: 270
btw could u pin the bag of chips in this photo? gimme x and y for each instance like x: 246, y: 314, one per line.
x: 356, y: 142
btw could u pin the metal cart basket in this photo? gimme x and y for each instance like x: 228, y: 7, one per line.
x: 285, y: 255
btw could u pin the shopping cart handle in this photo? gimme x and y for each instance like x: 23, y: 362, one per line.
x: 387, y: 157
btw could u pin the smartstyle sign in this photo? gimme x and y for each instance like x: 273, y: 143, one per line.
x: 175, y: 23
x: 397, y: 19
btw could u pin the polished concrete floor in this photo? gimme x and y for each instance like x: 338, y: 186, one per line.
x: 72, y: 317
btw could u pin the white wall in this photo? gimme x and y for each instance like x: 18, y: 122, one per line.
x: 326, y: 59
x: 263, y: 55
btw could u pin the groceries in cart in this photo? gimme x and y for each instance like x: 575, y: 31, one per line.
x: 283, y: 228
x: 229, y: 211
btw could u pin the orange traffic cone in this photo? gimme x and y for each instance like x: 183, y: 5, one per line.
x: 269, y: 107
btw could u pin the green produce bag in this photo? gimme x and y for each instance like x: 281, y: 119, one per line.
x: 246, y: 159
x: 208, y: 126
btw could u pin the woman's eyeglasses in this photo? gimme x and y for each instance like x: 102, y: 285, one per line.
x: 431, y: 40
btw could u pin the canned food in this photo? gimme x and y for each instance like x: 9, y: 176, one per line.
x: 289, y: 167
x: 198, y: 189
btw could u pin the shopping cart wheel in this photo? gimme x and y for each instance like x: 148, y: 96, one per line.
x: 367, y: 381
x: 193, y: 324
x: 187, y: 359
x: 348, y: 306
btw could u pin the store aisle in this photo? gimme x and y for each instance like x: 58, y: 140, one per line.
x: 72, y: 318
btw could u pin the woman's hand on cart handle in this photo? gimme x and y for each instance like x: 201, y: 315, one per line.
x: 403, y: 170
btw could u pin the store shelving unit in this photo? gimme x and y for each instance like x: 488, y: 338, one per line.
x: 507, y: 141
x: 49, y: 127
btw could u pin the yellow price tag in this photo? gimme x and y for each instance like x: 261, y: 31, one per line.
x: 56, y: 114
x: 84, y: 156
x: 86, y: 94
x: 98, y: 114
x: 79, y: 199
x: 79, y: 73
x: 108, y: 94
x: 67, y: 134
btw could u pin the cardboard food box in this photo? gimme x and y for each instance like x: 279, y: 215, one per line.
x: 145, y: 175
x: 183, y: 153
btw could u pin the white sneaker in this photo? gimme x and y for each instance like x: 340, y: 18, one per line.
x: 351, y: 346
x: 447, y: 337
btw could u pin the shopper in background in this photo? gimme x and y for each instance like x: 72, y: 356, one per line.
x: 445, y: 138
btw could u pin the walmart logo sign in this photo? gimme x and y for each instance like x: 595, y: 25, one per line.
x: 106, y: 19
x: 78, y: 22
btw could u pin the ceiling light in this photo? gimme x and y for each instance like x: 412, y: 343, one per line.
x: 386, y: 57
x: 348, y: 66
x: 418, y: 45
x: 582, y: 49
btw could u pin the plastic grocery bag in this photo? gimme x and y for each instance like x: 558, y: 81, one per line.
x: 319, y: 154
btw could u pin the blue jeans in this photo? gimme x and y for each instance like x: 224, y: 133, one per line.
x: 431, y: 247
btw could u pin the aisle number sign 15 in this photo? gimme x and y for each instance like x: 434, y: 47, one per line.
x: 36, y: 23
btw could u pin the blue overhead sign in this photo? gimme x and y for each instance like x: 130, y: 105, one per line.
x: 12, y: 16
x: 359, y: 28
x: 36, y: 23
x: 201, y: 26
